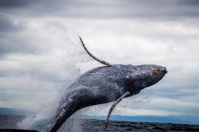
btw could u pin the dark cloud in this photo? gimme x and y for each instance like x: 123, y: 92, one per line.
x: 9, y: 41
x: 16, y: 3
x: 101, y: 9
x: 12, y: 40
x: 11, y: 44
x: 7, y: 25
x: 159, y: 9
x: 187, y: 2
x: 33, y: 73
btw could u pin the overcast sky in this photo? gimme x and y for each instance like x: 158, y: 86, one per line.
x: 40, y: 53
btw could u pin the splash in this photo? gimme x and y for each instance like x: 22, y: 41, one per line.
x: 66, y: 60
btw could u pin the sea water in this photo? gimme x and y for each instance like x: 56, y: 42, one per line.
x: 8, y: 122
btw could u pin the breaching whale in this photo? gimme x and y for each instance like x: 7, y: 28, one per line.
x: 105, y: 84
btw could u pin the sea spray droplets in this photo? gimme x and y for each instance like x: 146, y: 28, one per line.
x: 66, y: 59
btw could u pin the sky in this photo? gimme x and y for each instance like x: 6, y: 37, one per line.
x: 40, y: 52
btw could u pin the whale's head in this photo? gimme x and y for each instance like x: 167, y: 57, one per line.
x: 132, y: 78
x: 138, y: 77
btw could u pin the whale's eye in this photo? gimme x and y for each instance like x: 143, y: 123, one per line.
x: 156, y: 72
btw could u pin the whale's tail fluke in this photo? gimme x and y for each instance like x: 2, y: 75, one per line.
x: 99, y: 60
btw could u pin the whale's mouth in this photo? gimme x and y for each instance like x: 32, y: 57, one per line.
x: 157, y: 72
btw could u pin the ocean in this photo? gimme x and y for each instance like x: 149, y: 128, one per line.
x: 8, y: 123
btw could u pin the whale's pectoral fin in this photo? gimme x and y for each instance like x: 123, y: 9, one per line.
x: 113, y: 106
x: 97, y: 59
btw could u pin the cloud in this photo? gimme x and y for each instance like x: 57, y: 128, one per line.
x: 187, y: 2
x: 102, y: 110
x: 137, y: 106
x: 35, y: 68
x: 7, y: 25
x: 134, y: 112
x: 16, y: 3
x: 172, y: 105
x: 40, y: 52
x: 12, y: 37
x: 100, y: 9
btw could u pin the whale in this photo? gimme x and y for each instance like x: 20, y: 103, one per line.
x: 109, y: 83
